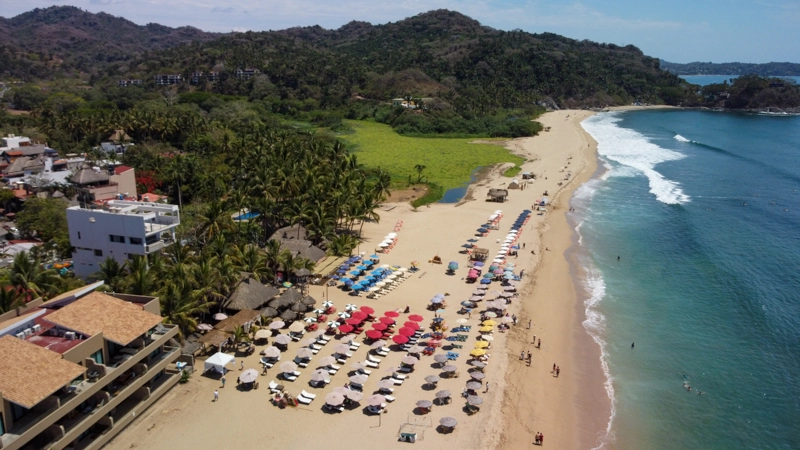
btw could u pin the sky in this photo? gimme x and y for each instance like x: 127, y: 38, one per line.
x: 682, y: 31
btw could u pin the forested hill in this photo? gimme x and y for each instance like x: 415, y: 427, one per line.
x: 773, y: 69
x: 440, y: 54
x: 60, y: 39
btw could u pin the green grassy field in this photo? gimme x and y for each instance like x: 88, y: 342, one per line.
x: 449, y: 162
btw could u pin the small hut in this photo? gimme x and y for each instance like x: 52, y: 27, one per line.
x: 498, y: 195
x: 250, y: 294
x: 514, y: 184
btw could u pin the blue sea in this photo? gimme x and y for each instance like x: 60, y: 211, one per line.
x: 703, y: 80
x: 690, y: 241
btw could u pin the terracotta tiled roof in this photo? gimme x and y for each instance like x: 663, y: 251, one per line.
x: 121, y: 169
x: 119, y: 321
x: 29, y: 373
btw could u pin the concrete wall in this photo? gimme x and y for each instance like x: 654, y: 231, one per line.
x: 127, y: 183
x: 85, y: 350
x: 87, y: 236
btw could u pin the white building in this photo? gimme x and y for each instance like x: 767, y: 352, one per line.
x: 120, y: 230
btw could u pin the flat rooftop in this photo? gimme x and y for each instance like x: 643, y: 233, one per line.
x: 119, y: 321
x: 30, y: 374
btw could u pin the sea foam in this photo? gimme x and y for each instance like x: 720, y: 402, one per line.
x: 680, y: 138
x: 632, y: 149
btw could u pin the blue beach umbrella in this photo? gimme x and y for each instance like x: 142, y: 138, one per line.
x: 488, y: 276
x: 374, y: 256
x: 478, y: 264
x: 486, y: 281
x: 348, y: 282
x: 355, y: 272
x: 482, y: 230
x: 361, y: 267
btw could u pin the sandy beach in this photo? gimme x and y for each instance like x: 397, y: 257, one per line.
x: 569, y: 409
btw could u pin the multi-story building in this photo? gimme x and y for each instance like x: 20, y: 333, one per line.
x: 98, y: 184
x: 121, y: 229
x: 245, y: 74
x: 165, y: 80
x: 77, y: 369
x: 123, y: 83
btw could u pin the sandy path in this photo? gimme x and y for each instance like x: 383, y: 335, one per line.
x: 521, y: 401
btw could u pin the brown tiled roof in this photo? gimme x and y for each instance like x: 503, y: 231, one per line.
x: 88, y: 176
x: 29, y: 373
x: 119, y: 321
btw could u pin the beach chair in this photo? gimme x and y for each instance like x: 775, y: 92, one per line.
x: 371, y: 358
x: 334, y: 408
x: 335, y: 367
x: 396, y: 381
x: 451, y: 356
x: 317, y: 346
x: 355, y: 344
x: 273, y: 387
x: 305, y: 398
x: 341, y: 360
x: 399, y: 376
x: 387, y: 390
x: 308, y: 395
x: 364, y: 372
x: 389, y: 398
x: 325, y: 338
x: 383, y: 351
x: 289, y: 377
x: 405, y: 369
x: 371, y: 364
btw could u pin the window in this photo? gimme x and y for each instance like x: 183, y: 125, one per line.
x: 98, y: 252
x: 115, y: 238
x: 18, y: 411
x: 135, y: 241
x: 98, y: 356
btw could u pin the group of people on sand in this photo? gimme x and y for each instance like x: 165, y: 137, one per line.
x: 539, y: 438
x: 556, y: 370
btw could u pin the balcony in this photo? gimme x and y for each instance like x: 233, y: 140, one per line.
x: 57, y: 406
x: 154, y: 247
x: 124, y: 394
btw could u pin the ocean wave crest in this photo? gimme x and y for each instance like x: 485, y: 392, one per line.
x: 595, y: 325
x: 680, y: 138
x: 632, y: 149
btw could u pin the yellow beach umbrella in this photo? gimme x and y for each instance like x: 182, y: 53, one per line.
x: 489, y: 323
x: 477, y: 352
x: 486, y: 329
x: 481, y: 344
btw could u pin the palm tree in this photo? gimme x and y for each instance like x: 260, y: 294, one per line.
x: 214, y: 220
x: 28, y: 275
x: 111, y: 272
x: 10, y: 298
x: 140, y: 279
x: 180, y: 307
x: 239, y: 335
x: 419, y: 168
x: 250, y: 259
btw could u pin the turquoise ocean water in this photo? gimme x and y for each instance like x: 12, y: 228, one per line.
x: 703, y: 210
x: 703, y: 80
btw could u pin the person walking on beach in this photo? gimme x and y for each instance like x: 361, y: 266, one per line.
x: 536, y: 438
x: 541, y: 439
x: 522, y: 355
x: 529, y: 358
x: 523, y: 246
x: 554, y: 368
x: 216, y: 395
x: 539, y: 344
x: 529, y: 327
x: 222, y: 380
x: 487, y: 387
x: 558, y: 371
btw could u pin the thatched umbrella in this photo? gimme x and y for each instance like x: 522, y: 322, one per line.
x: 299, y: 308
x: 269, y: 312
x: 278, y: 303
x: 308, y: 301
x: 302, y: 272
x: 288, y: 315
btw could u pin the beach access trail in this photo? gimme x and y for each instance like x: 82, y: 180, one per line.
x: 522, y: 400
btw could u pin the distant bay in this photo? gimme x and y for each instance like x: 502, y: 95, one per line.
x: 703, y: 80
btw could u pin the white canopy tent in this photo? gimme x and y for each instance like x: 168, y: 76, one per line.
x: 218, y: 361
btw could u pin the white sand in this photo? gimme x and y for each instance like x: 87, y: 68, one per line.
x: 521, y: 400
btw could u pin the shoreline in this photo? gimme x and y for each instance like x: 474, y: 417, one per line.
x: 522, y: 400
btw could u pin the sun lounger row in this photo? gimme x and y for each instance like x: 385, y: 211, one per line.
x: 306, y: 398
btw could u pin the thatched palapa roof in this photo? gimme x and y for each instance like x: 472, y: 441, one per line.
x: 250, y: 294
x: 237, y: 320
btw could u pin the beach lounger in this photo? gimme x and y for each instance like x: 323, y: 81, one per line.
x: 303, y: 364
x: 325, y: 338
x: 383, y: 351
x: 364, y: 371
x: 396, y: 381
x: 334, y: 408
x: 452, y: 356
x: 389, y: 390
x: 341, y: 360
x: 314, y: 351
x: 308, y: 395
x: 371, y: 364
x: 373, y: 359
x: 405, y: 369
x: 273, y: 387
x: 317, y: 346
x: 355, y: 344
x: 304, y: 400
x: 335, y: 367
x: 389, y: 398
x: 289, y: 377
x: 399, y: 377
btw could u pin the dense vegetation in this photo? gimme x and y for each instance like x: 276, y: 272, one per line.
x: 751, y: 92
x: 773, y: 69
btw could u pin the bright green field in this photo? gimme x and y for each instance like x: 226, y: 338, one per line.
x: 449, y: 162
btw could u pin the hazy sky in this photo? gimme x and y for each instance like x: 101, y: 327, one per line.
x: 675, y: 30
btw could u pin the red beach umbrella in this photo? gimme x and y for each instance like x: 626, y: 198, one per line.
x: 361, y: 315
x: 380, y: 326
x: 367, y: 310
x: 412, y: 325
x: 391, y: 314
x: 353, y: 321
x: 374, y: 334
x: 404, y: 332
x: 399, y: 339
x: 346, y: 328
x: 416, y: 318
x: 386, y: 320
